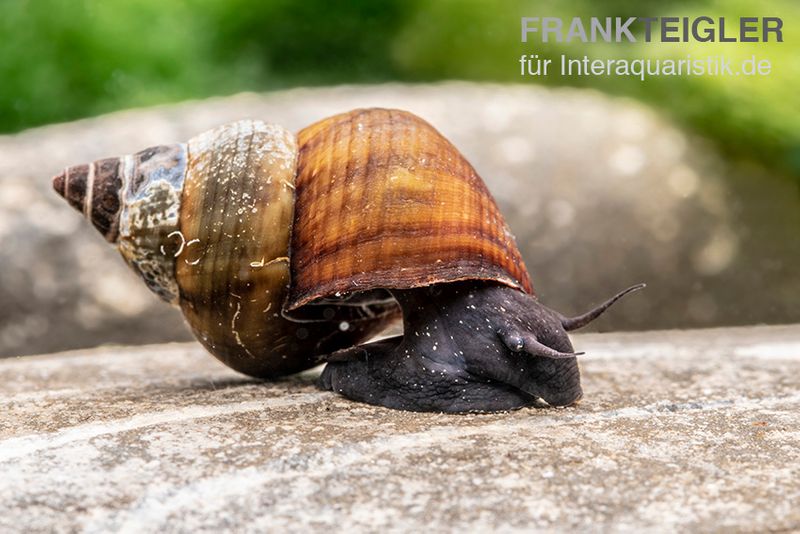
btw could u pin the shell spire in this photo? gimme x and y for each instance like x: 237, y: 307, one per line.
x: 94, y: 189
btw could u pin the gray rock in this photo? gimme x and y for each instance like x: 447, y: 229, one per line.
x: 601, y: 193
x: 678, y: 431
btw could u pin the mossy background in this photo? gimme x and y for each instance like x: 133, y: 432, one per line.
x: 65, y: 59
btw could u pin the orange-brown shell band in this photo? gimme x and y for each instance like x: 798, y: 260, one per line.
x: 416, y: 234
x: 459, y: 260
x: 406, y: 279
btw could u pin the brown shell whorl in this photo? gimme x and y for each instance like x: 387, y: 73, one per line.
x: 385, y: 201
x: 94, y: 190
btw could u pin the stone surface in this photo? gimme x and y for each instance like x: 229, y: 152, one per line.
x: 689, y: 431
x: 601, y: 193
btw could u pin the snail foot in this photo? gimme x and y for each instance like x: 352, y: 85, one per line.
x: 381, y: 373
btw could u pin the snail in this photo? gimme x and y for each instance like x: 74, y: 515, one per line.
x: 283, y: 251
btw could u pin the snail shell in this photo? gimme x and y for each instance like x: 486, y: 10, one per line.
x: 278, y: 254
x: 386, y: 201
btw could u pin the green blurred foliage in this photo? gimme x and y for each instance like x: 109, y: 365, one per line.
x: 65, y: 59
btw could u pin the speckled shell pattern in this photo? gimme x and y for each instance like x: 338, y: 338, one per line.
x: 385, y: 201
x: 235, y: 222
x: 134, y: 201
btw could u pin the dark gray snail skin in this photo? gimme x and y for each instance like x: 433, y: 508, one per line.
x: 466, y: 347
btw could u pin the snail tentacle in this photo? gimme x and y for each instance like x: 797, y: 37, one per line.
x: 526, y: 342
x: 573, y: 323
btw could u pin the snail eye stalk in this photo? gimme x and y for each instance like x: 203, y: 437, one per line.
x: 527, y: 342
x: 573, y: 323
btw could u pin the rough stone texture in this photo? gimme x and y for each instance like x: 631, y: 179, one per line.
x: 679, y: 431
x: 601, y: 193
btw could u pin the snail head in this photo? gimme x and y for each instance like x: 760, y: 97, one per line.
x: 467, y: 346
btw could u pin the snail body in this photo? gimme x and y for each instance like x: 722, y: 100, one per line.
x: 282, y: 251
